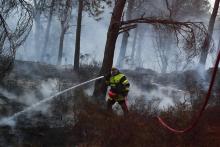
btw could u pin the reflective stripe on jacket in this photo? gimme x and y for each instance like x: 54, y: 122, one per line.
x: 119, y: 83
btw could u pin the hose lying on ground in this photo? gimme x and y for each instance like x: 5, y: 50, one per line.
x: 196, y: 120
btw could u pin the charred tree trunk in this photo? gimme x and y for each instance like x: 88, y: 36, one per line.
x: 78, y: 36
x: 125, y: 36
x: 206, y: 44
x: 46, y: 39
x: 62, y: 36
x: 114, y: 27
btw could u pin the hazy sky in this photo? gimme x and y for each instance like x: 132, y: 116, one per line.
x: 212, y: 2
x: 93, y: 42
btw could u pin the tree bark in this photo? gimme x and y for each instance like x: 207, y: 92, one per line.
x: 206, y: 44
x: 47, y: 31
x: 62, y: 36
x: 125, y: 37
x: 78, y: 36
x: 112, y: 35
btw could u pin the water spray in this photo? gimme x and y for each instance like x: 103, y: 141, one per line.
x: 9, y: 119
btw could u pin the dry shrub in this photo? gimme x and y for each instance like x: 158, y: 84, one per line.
x: 94, y: 126
x: 97, y: 127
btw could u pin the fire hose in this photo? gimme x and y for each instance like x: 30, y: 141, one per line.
x: 46, y: 100
x: 196, y: 120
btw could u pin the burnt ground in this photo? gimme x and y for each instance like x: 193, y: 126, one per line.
x: 72, y: 121
x: 95, y: 128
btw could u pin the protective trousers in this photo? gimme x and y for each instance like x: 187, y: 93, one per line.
x: 122, y: 103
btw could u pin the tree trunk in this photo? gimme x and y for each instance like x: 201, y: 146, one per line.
x: 64, y: 26
x: 124, y: 43
x: 163, y: 41
x: 114, y: 27
x: 78, y: 35
x: 164, y: 65
x: 206, y: 44
x: 47, y: 31
x: 37, y: 33
x: 62, y: 35
x: 138, y: 58
x: 218, y: 49
x: 2, y: 40
x: 37, y: 20
x: 122, y: 52
x: 134, y: 47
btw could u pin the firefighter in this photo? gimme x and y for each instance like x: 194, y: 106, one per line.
x: 119, y: 88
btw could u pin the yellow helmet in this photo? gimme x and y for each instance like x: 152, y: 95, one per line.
x: 114, y: 71
x: 114, y: 68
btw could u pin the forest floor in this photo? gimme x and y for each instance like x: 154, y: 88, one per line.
x: 76, y: 120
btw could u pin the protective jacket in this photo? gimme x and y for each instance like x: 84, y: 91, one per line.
x: 119, y: 84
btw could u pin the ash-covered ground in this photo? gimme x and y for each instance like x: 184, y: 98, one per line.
x: 53, y: 122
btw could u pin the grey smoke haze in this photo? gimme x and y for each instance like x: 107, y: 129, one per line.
x: 93, y: 42
x: 46, y: 88
x: 168, y: 95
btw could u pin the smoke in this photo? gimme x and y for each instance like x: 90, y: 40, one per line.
x: 154, y: 94
x: 48, y: 87
x: 167, y: 95
x: 44, y: 90
x: 92, y: 40
x: 8, y: 122
x: 202, y: 77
